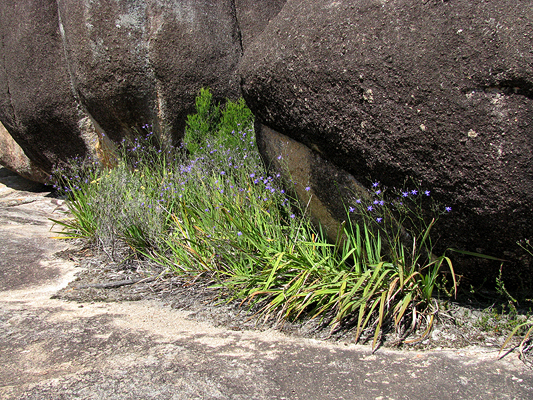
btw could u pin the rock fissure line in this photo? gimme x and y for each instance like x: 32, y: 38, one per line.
x: 519, y: 87
x: 72, y: 78
x: 159, y: 115
x: 15, y: 118
x: 237, y: 26
x: 116, y: 284
x: 65, y: 52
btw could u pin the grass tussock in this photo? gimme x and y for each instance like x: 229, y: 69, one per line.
x: 210, y: 208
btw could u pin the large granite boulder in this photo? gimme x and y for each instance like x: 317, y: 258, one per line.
x: 75, y: 71
x: 37, y: 105
x: 438, y: 91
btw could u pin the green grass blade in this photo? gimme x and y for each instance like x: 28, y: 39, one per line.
x: 380, y: 319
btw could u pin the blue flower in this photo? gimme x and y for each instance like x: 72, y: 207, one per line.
x: 370, y: 208
x: 239, y: 233
x: 308, y: 188
x: 351, y: 209
x: 375, y: 184
x: 414, y: 192
x: 293, y: 216
x: 358, y: 201
x: 405, y: 194
x: 427, y: 192
x: 379, y: 219
x: 447, y: 209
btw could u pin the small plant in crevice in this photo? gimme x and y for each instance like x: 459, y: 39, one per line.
x: 526, y: 344
x: 526, y: 246
x: 204, y: 122
x: 218, y: 124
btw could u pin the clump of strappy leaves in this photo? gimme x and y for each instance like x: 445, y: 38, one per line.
x: 212, y: 209
x: 381, y: 272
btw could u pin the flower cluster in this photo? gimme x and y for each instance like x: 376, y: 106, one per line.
x: 402, y: 218
x: 400, y: 201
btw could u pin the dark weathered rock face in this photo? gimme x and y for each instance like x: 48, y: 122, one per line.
x: 254, y: 15
x: 438, y: 91
x: 140, y: 62
x: 73, y: 70
x: 37, y: 106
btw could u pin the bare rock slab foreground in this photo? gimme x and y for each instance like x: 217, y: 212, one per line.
x: 54, y: 349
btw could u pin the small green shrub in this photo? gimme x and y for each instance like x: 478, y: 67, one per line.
x: 235, y: 115
x: 216, y: 124
x: 526, y: 328
x: 202, y: 124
